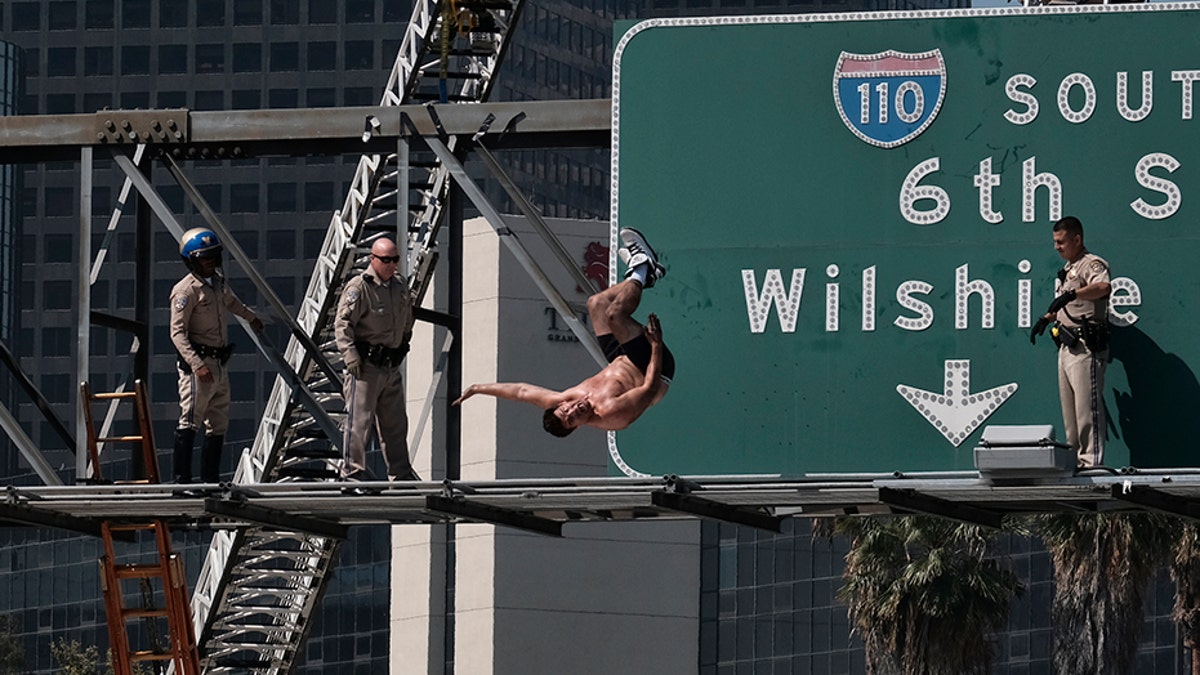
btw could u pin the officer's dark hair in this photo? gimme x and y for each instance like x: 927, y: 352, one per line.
x: 553, y: 425
x: 1070, y: 225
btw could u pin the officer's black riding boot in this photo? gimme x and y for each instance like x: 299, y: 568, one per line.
x: 210, y: 459
x: 184, y: 440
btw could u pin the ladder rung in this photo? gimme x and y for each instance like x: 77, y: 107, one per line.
x: 150, y: 656
x: 139, y: 571
x: 113, y: 394
x: 133, y: 527
x: 143, y: 613
x: 121, y: 439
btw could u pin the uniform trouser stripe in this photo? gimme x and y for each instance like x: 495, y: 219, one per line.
x: 191, y: 409
x: 349, y: 466
x: 1097, y: 421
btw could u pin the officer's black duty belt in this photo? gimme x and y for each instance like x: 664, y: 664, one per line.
x: 207, y: 352
x: 380, y: 355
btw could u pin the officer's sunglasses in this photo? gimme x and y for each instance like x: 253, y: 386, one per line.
x: 386, y: 259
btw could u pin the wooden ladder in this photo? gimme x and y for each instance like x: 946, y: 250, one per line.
x: 144, y: 437
x: 160, y: 577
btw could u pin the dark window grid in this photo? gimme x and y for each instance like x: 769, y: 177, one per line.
x: 98, y: 14
x: 26, y: 16
x: 322, y: 12
x: 360, y: 11
x: 247, y: 12
x: 321, y: 55
x: 247, y: 57
x: 285, y: 12
x: 210, y: 13
x: 172, y: 59
x: 173, y: 14
x: 283, y: 98
x: 60, y: 62
x: 359, y: 55
x: 98, y: 61
x: 135, y: 60
x: 135, y: 13
x: 210, y: 58
x: 284, y: 57
x: 63, y: 15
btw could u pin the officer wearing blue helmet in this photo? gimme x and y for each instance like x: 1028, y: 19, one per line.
x: 200, y: 304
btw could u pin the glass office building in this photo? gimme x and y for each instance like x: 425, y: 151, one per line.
x: 85, y: 55
x: 11, y: 87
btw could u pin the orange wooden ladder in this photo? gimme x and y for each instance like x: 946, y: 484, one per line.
x: 161, y: 579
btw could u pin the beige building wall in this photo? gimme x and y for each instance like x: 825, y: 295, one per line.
x: 605, y: 598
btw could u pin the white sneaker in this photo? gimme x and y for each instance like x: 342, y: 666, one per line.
x: 636, y: 251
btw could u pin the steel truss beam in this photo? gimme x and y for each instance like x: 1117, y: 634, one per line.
x: 1157, y: 500
x: 37, y: 518
x: 445, y: 155
x: 713, y: 510
x: 913, y: 500
x: 233, y: 508
x: 602, y: 499
x: 470, y: 510
x: 230, y: 134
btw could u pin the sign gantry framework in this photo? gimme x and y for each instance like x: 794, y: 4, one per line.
x: 546, y: 505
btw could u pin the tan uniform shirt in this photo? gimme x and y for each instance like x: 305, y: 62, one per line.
x: 198, y: 314
x: 374, y: 312
x: 1088, y: 269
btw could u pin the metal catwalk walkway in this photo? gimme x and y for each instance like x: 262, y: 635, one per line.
x: 545, y: 505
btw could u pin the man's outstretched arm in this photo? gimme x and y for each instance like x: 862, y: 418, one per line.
x: 514, y: 391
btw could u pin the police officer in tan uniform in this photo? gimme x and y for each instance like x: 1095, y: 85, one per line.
x: 1080, y: 316
x: 372, y: 328
x: 200, y: 303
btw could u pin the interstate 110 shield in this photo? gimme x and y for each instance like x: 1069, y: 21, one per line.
x: 855, y: 211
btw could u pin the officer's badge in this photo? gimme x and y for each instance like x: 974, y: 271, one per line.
x: 352, y: 296
x: 181, y: 302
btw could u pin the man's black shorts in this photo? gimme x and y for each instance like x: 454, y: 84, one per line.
x: 638, y: 351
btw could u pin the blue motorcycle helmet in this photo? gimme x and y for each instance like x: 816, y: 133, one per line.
x: 199, y: 242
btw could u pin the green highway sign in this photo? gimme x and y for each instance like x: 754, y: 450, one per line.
x: 855, y: 211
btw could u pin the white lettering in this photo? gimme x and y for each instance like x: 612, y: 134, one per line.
x: 985, y: 180
x: 1024, y: 296
x: 911, y: 193
x: 831, y: 300
x: 1064, y: 98
x: 1123, y: 96
x: 1013, y: 90
x: 963, y: 289
x: 787, y: 304
x: 1031, y: 181
x: 1174, y: 198
x: 918, y: 97
x: 1185, y: 78
x: 904, y: 293
x: 868, y: 303
x: 1125, y: 293
x: 916, y: 312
